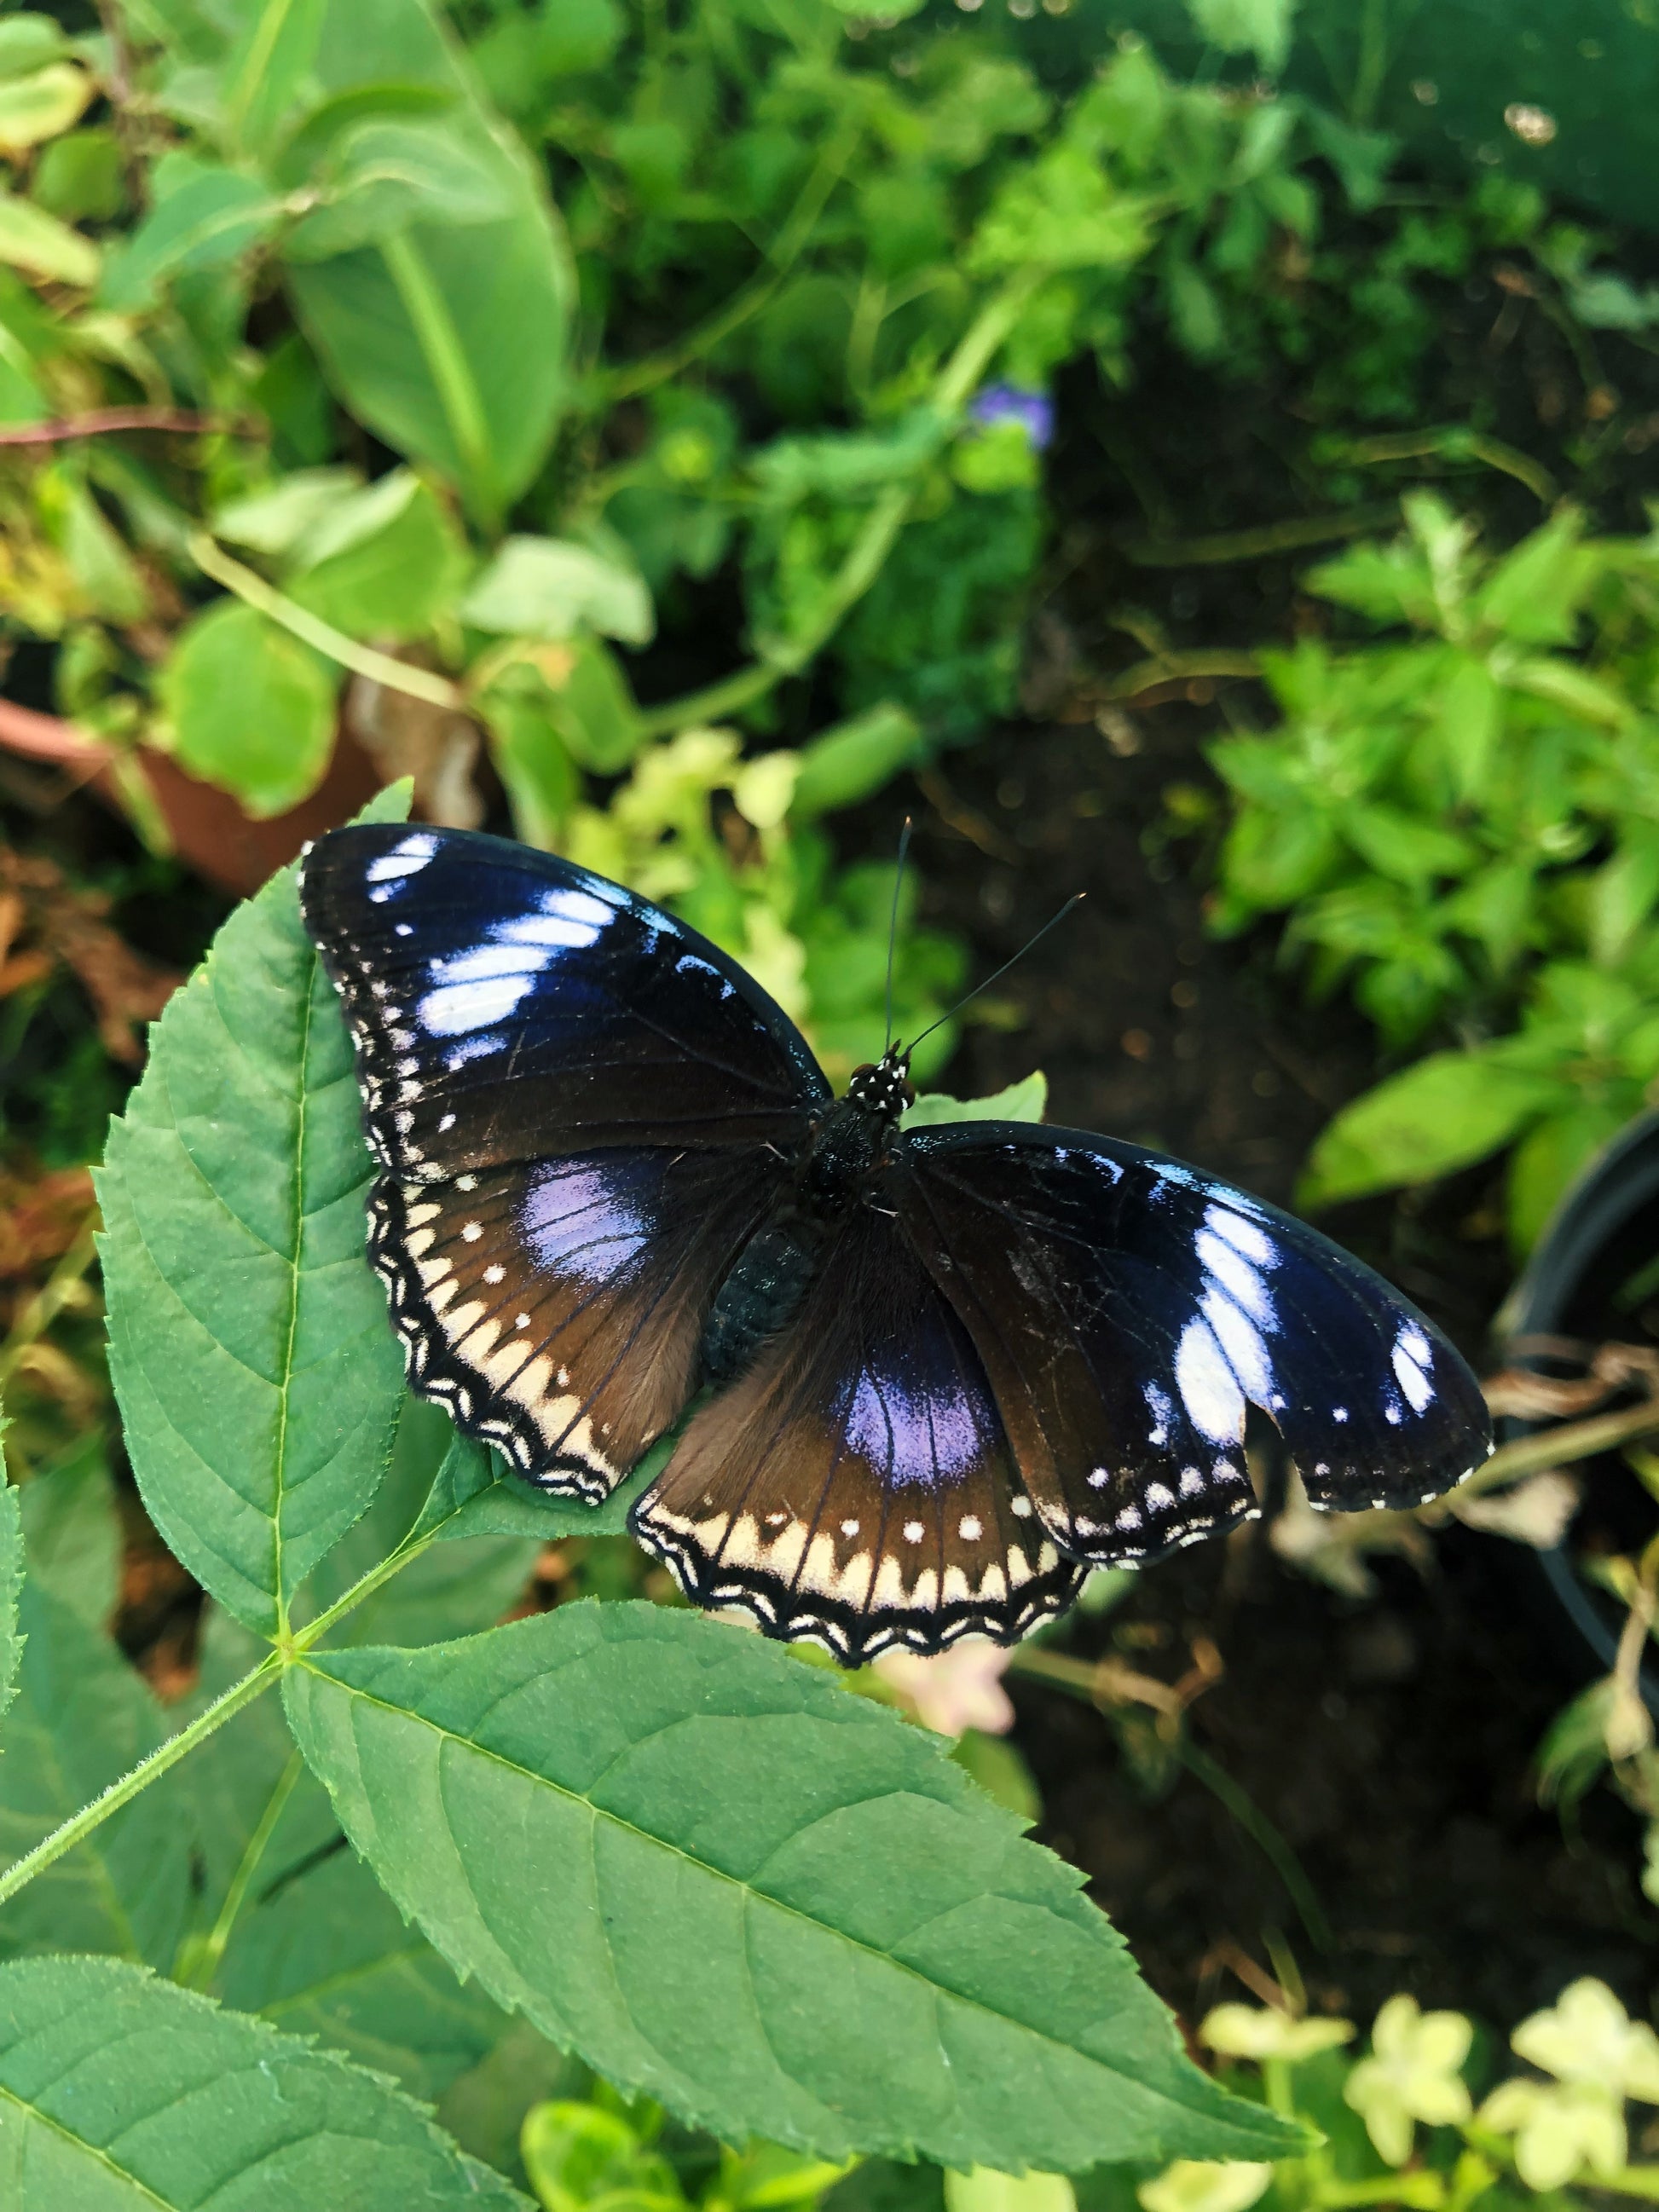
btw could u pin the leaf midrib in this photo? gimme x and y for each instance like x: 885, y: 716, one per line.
x: 279, y: 1594
x: 750, y: 1890
x: 88, y: 2150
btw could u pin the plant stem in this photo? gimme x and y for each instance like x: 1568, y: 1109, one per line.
x: 80, y: 1825
x: 864, y: 558
x: 253, y: 590
x: 269, y: 1670
x: 103, y: 420
x: 205, y: 1964
x: 1631, y: 2181
x: 1561, y: 1446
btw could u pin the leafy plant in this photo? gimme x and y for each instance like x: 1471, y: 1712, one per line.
x: 782, y: 1910
x: 1401, y: 2123
x: 1460, y: 826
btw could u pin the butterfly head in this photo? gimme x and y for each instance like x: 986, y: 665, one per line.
x: 883, y: 1087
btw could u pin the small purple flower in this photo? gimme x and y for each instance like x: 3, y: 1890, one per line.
x: 1006, y: 403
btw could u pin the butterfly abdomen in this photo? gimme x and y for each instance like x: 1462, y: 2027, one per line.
x: 761, y: 1296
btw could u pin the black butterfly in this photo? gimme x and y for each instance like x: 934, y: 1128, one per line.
x: 954, y: 1368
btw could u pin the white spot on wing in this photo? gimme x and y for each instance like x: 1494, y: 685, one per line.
x: 1209, y: 1387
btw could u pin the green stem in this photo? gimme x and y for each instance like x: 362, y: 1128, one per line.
x: 1266, y: 1839
x: 269, y: 1670
x: 205, y: 1964
x: 80, y: 1825
x: 1631, y: 2181
x: 863, y: 559
x: 253, y: 590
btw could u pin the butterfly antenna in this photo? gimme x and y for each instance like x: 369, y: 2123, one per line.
x: 1076, y: 899
x: 892, y: 922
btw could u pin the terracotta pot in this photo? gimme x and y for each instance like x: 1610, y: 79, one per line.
x: 208, y: 830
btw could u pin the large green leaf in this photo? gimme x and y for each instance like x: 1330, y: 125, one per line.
x: 121, y: 2093
x: 446, y: 335
x: 249, y: 1347
x: 779, y: 1909
x: 82, y: 1720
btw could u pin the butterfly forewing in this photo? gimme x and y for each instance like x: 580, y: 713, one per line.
x: 584, y: 1110
x: 856, y: 1486
x: 1128, y: 1310
x: 506, y: 1006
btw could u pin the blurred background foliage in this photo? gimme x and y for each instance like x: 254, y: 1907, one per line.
x: 661, y: 429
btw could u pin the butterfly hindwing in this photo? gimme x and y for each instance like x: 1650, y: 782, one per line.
x: 1128, y: 1309
x: 855, y: 1485
x: 507, y: 1005
x: 556, y: 1308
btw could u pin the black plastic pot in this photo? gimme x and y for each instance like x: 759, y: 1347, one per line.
x: 1604, y: 1230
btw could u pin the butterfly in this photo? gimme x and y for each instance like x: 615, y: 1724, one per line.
x: 938, y: 1374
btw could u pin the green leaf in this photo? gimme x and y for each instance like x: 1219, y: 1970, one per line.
x: 1467, y: 722
x: 211, y: 220
x: 36, y: 242
x: 380, y: 563
x: 1261, y: 27
x: 1024, y: 1101
x: 119, y: 2093
x: 1535, y: 593
x: 249, y: 1347
x: 719, y: 1831
x: 79, y: 178
x: 549, y: 587
x: 467, y: 1583
x: 853, y: 761
x: 543, y: 782
x: 28, y: 42
x: 1443, y: 1113
x: 82, y: 1720
x: 590, y: 705
x: 277, y: 519
x: 330, y: 1954
x: 1403, y: 847
x: 1564, y: 683
x: 11, y: 1582
x: 250, y: 709
x: 387, y: 175
x: 38, y: 106
x: 476, y: 1495
x: 71, y: 1533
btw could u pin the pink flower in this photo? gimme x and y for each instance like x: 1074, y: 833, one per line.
x: 961, y: 1689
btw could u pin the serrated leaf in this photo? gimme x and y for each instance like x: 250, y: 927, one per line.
x: 328, y: 1953
x: 249, y: 1348
x: 477, y: 1495
x: 122, y: 2094
x: 82, y: 1718
x: 778, y: 1909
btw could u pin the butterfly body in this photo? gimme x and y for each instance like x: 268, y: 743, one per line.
x: 944, y: 1370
